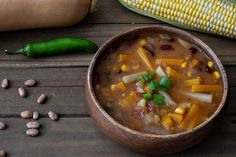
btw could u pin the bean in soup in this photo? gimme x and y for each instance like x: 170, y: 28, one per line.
x: 158, y: 84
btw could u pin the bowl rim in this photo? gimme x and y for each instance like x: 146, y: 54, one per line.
x: 169, y: 29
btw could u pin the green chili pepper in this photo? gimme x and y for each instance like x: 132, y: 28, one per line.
x: 56, y: 46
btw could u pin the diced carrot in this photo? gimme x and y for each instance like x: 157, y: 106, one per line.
x: 206, y: 88
x: 169, y: 61
x: 131, y: 99
x: 171, y: 72
x: 144, y: 57
x: 124, y: 57
x: 195, y: 121
x: 193, y: 111
x: 191, y: 82
x: 120, y: 86
x: 176, y: 117
x: 166, y: 122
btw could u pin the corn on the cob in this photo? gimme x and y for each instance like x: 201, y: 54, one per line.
x: 211, y: 16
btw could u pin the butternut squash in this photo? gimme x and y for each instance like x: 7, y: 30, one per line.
x: 28, y: 14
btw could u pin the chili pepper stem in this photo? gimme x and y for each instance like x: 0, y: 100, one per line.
x: 20, y: 51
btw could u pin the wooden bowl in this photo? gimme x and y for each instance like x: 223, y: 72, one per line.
x: 145, y: 142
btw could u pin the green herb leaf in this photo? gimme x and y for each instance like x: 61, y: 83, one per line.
x: 148, y: 76
x: 153, y: 85
x: 158, y: 99
x: 147, y: 96
x: 165, y: 82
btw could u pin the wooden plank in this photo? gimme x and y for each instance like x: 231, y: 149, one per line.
x: 46, y: 77
x: 64, y: 100
x: 223, y: 47
x: 65, y: 89
x: 72, y: 137
x: 109, y: 9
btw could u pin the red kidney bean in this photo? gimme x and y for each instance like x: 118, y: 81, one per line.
x: 208, y: 69
x: 193, y: 50
x: 166, y: 47
x: 118, y: 71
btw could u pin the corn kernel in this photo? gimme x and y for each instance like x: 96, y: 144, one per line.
x: 210, y: 64
x: 113, y: 87
x: 142, y: 42
x: 194, y: 63
x: 184, y: 65
x: 180, y: 110
x: 216, y: 74
x: 124, y: 68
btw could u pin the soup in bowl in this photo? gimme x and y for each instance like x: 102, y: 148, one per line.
x: 156, y: 89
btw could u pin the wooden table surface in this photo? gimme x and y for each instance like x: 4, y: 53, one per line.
x: 62, y: 79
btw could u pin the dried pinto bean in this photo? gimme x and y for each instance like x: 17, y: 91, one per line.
x: 30, y: 83
x: 35, y: 115
x: 32, y: 132
x: 42, y: 99
x: 166, y: 47
x: 5, y: 83
x: 33, y: 125
x: 52, y: 115
x: 3, y: 153
x: 2, y: 125
x: 22, y: 92
x: 26, y: 114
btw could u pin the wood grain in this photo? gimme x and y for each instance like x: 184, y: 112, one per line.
x: 62, y: 78
x: 72, y: 137
x: 65, y: 88
x: 98, y: 33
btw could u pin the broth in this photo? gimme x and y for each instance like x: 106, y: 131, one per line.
x: 158, y: 84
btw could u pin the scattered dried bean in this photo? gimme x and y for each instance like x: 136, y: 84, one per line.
x: 5, y: 83
x: 26, y: 114
x: 22, y: 92
x: 42, y: 99
x: 30, y: 83
x: 35, y: 115
x: 32, y: 132
x: 52, y: 115
x: 33, y: 125
x: 2, y: 125
x: 3, y: 153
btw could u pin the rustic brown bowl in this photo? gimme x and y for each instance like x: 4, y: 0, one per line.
x: 145, y: 142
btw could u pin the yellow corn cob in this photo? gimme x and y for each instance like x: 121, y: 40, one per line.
x: 211, y: 16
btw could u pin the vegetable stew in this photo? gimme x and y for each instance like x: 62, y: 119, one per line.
x: 157, y: 83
